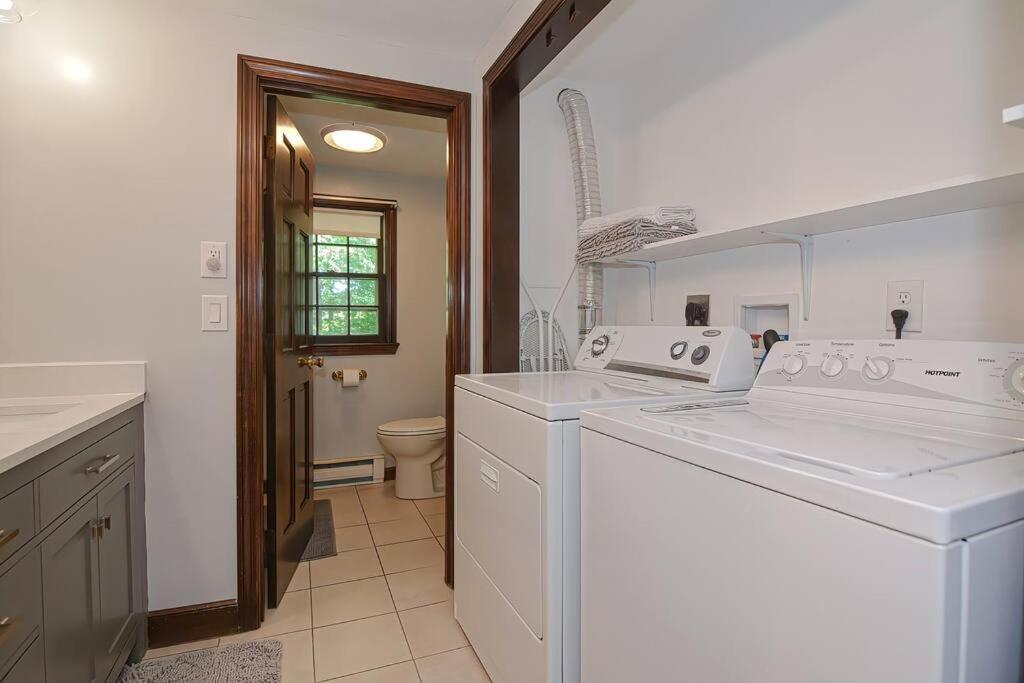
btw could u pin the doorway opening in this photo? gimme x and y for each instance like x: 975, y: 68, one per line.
x: 285, y: 329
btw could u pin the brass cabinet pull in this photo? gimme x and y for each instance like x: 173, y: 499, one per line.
x: 106, y: 522
x: 96, y: 528
x: 310, y: 361
x: 8, y: 621
x: 8, y: 536
x: 105, y: 463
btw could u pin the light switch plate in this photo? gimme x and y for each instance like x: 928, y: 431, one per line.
x: 908, y: 295
x: 215, y: 313
x: 213, y: 259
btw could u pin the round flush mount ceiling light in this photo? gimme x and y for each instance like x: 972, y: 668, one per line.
x: 9, y: 14
x: 353, y: 137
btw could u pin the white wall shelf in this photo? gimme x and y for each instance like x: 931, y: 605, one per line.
x: 1014, y: 116
x: 801, y: 230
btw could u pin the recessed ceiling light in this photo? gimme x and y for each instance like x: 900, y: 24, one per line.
x: 353, y: 137
x: 8, y: 13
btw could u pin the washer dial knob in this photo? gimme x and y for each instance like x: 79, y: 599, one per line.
x: 794, y: 365
x: 700, y: 354
x: 599, y: 345
x: 678, y: 350
x: 832, y: 367
x: 1013, y: 380
x: 878, y: 368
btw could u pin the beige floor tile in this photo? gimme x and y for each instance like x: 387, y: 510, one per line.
x: 356, y: 646
x: 432, y: 629
x: 401, y: 557
x: 459, y: 666
x: 347, y: 566
x: 388, y: 509
x: 350, y: 601
x: 157, y: 652
x: 396, y: 673
x: 400, y: 530
x: 293, y: 614
x: 436, y: 523
x: 419, y: 587
x: 353, y: 538
x: 300, y: 581
x: 296, y: 657
x: 431, y: 506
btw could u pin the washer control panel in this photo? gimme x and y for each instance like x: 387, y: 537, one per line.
x: 716, y: 357
x: 981, y: 374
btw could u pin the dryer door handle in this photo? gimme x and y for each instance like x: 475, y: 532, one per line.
x: 489, y: 475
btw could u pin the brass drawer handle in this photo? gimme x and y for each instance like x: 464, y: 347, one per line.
x: 104, y: 464
x: 6, y: 537
x: 8, y: 621
x: 106, y: 522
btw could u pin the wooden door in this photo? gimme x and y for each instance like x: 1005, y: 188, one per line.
x: 116, y: 616
x: 70, y: 570
x: 289, y: 223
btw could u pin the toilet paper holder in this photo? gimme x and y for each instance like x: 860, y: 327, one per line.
x: 337, y: 375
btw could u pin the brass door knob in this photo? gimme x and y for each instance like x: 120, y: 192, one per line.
x: 310, y: 361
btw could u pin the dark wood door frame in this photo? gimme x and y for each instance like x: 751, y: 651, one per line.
x: 257, y: 78
x: 546, y: 32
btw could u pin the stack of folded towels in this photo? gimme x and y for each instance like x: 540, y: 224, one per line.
x: 630, y: 230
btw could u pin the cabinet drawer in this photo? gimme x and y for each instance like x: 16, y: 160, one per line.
x: 21, y: 605
x: 69, y: 481
x: 17, y: 520
x: 30, y: 667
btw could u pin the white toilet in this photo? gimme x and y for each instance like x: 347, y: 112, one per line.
x: 417, y: 445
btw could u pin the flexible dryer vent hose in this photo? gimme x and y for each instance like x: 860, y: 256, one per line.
x: 588, y: 201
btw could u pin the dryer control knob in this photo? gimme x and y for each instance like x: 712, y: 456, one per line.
x: 877, y: 368
x: 599, y: 345
x: 794, y: 365
x: 1013, y: 380
x: 678, y: 350
x: 833, y: 367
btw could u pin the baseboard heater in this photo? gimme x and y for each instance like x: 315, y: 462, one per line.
x: 363, y: 469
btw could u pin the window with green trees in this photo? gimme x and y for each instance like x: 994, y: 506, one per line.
x: 352, y: 286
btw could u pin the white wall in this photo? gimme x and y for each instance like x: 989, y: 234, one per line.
x: 106, y: 189
x: 411, y: 382
x: 757, y: 111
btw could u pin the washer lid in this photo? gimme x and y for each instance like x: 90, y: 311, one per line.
x: 562, y: 395
x: 862, y: 446
x: 413, y: 426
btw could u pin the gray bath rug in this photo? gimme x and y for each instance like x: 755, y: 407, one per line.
x: 321, y: 544
x: 258, y: 662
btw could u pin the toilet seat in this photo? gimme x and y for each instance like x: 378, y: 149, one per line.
x: 416, y: 426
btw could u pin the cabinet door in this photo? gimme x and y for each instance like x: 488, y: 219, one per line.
x: 70, y: 570
x: 115, y: 616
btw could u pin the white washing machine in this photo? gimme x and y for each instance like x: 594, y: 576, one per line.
x: 856, y: 518
x: 517, y: 482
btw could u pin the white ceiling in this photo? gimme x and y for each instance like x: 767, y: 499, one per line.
x: 416, y: 145
x: 455, y: 27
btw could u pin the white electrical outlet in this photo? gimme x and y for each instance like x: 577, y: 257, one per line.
x: 908, y: 295
x: 213, y: 259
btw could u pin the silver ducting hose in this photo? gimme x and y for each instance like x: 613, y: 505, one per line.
x: 588, y: 201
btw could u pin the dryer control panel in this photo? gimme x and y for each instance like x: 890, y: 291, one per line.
x: 971, y: 375
x: 716, y: 357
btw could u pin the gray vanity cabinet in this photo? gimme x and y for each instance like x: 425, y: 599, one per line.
x: 87, y: 562
x: 70, y: 568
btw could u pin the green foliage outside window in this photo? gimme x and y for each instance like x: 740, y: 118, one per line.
x: 348, y: 286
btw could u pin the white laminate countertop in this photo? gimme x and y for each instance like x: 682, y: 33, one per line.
x: 45, y: 404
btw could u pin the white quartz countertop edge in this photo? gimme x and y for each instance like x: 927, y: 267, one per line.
x: 18, y: 447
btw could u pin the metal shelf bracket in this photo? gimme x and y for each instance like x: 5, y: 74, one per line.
x: 652, y: 276
x: 806, y: 244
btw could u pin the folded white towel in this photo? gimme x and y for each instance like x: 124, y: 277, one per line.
x: 665, y: 216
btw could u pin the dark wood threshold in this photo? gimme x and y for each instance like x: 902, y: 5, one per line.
x: 373, y: 349
x: 192, y: 622
x: 389, y: 473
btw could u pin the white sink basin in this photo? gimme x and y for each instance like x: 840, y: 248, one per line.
x: 28, y: 416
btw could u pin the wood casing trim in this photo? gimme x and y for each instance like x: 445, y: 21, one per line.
x: 258, y: 77
x: 546, y: 32
x: 192, y: 622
